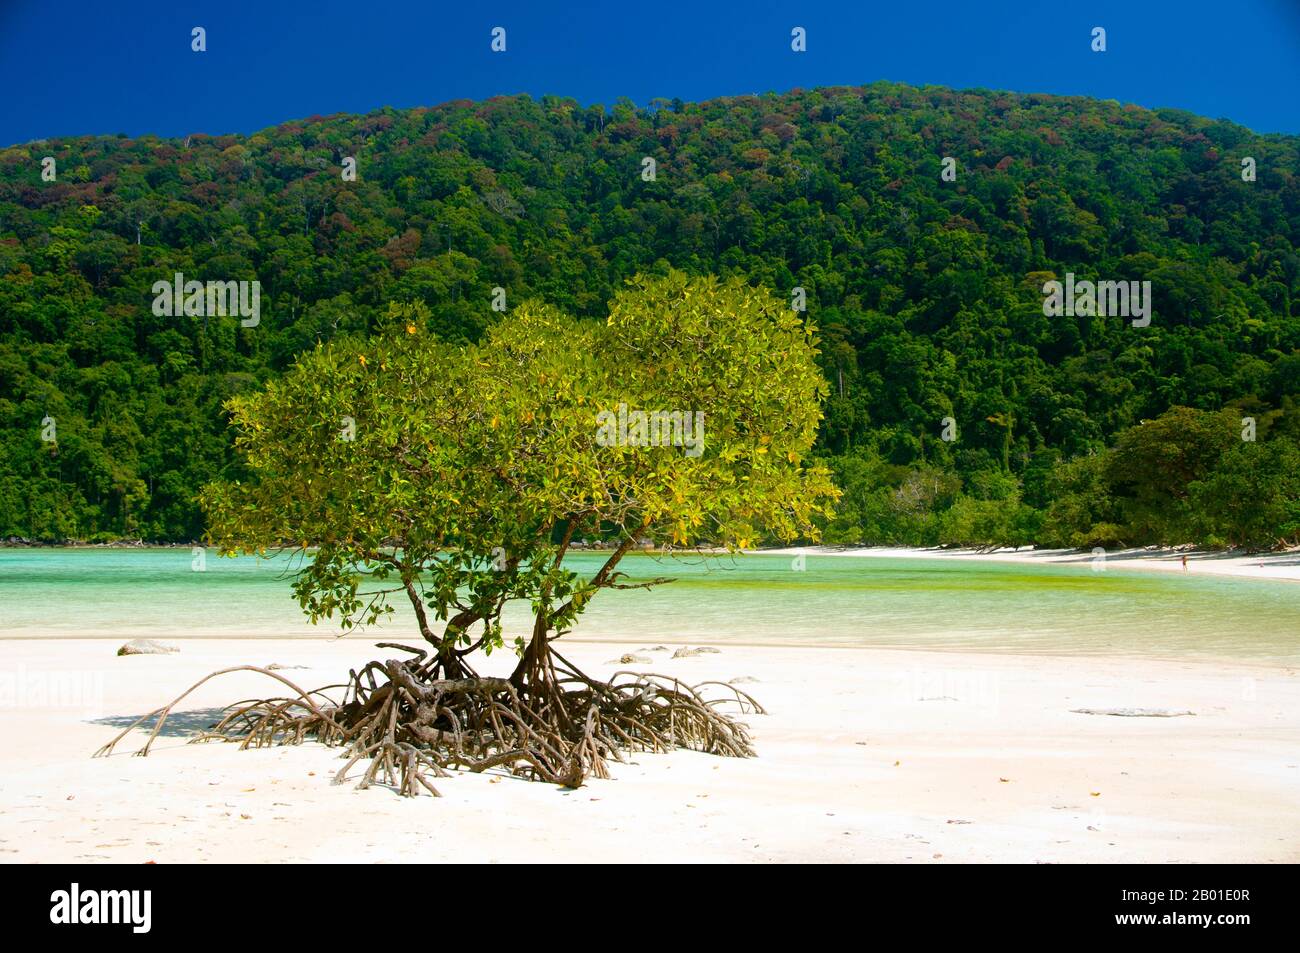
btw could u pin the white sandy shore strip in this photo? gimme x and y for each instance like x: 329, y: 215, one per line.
x: 1281, y: 565
x: 866, y: 755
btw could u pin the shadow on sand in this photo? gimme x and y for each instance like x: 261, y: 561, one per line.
x: 179, y: 724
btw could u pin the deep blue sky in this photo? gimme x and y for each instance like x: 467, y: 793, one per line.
x: 111, y: 66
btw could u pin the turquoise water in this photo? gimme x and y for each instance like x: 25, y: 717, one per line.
x: 926, y: 603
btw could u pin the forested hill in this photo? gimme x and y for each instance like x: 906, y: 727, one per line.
x: 928, y: 293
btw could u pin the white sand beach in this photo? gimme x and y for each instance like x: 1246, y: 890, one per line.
x: 865, y: 755
x: 1273, y: 565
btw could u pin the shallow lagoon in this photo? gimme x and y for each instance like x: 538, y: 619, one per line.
x: 913, y: 602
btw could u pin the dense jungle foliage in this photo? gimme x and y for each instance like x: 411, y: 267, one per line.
x: 927, y: 294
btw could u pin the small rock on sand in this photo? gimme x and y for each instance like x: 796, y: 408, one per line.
x: 630, y: 659
x: 148, y: 647
x: 276, y: 666
x: 657, y: 648
x: 743, y: 679
x: 686, y: 652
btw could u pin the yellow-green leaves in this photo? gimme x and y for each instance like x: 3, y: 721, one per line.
x: 404, y: 455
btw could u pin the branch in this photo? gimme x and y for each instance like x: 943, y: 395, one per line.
x: 601, y: 579
x: 657, y: 581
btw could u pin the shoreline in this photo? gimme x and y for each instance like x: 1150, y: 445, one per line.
x: 637, y: 646
x: 1273, y: 566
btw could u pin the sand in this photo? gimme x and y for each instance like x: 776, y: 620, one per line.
x: 1279, y: 565
x: 865, y: 755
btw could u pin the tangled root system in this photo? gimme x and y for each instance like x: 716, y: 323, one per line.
x: 410, y: 724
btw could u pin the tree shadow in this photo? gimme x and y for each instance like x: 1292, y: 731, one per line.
x: 179, y: 724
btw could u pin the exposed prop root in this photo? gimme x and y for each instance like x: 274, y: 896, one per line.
x: 411, y: 725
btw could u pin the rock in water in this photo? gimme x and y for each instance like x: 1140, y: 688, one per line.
x: 148, y: 647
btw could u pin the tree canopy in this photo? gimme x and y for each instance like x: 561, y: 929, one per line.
x: 456, y: 477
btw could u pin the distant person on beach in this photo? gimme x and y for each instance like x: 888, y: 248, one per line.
x: 1184, y: 562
